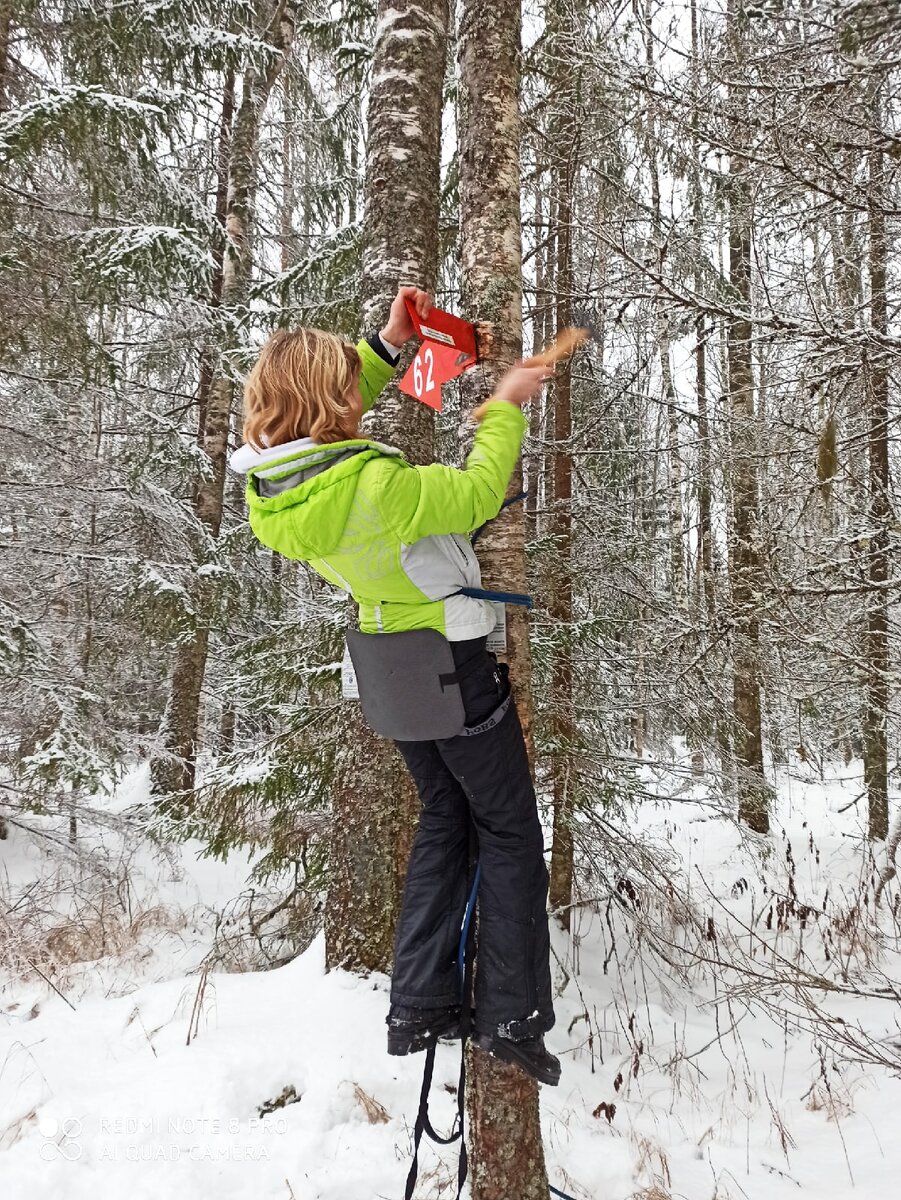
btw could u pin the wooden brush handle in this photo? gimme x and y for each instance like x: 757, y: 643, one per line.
x: 562, y: 346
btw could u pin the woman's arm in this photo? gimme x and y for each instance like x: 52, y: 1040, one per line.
x: 422, y: 501
x: 375, y: 372
x: 377, y: 368
x: 439, y: 499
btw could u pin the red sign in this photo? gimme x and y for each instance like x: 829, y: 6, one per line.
x: 445, y: 328
x: 448, y: 348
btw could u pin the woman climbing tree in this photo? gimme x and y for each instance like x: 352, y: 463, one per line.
x: 392, y: 535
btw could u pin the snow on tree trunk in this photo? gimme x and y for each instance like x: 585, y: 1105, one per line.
x: 375, y: 803
x: 506, y: 1153
x: 403, y: 164
x: 705, y: 561
x: 173, y: 769
x: 744, y: 556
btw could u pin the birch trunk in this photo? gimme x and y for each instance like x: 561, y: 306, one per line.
x: 506, y: 1153
x: 744, y: 557
x: 664, y: 346
x: 375, y: 805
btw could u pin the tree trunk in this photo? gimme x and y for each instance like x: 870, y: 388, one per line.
x: 535, y: 465
x: 563, y: 137
x: 237, y: 261
x: 6, y: 26
x: 286, y: 238
x: 375, y: 805
x: 506, y: 1152
x: 223, y: 156
x: 876, y: 381
x: 744, y: 564
x: 703, y: 584
x: 172, y: 771
x: 403, y: 162
x: 664, y: 347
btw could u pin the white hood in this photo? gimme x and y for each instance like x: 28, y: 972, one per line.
x: 247, y: 458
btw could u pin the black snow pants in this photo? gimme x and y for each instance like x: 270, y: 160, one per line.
x: 484, y: 778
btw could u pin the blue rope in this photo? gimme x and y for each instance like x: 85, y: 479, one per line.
x: 513, y: 500
x: 464, y: 928
x: 461, y: 958
x: 461, y: 968
x: 505, y: 597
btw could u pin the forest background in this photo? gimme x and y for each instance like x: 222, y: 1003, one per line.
x: 732, y: 573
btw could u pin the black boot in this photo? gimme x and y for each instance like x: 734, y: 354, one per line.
x: 530, y: 1054
x: 413, y: 1029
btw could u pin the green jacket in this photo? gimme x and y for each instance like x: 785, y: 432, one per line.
x: 391, y: 534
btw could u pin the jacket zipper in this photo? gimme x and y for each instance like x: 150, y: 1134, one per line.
x: 463, y: 554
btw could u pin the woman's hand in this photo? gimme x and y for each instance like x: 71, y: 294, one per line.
x: 399, y: 328
x: 516, y: 386
x: 521, y: 383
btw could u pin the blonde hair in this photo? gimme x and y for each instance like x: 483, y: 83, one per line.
x: 299, y: 387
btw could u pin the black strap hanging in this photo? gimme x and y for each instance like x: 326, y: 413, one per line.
x: 465, y: 960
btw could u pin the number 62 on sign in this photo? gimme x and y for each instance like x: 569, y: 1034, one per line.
x: 447, y: 349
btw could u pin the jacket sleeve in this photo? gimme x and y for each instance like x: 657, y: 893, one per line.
x: 374, y: 374
x: 422, y: 501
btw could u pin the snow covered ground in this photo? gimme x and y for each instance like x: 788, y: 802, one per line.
x: 686, y: 1071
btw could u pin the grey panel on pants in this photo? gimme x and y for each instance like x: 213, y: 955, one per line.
x: 401, y: 688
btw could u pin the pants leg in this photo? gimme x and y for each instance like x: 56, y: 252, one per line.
x: 513, y: 978
x: 428, y: 930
